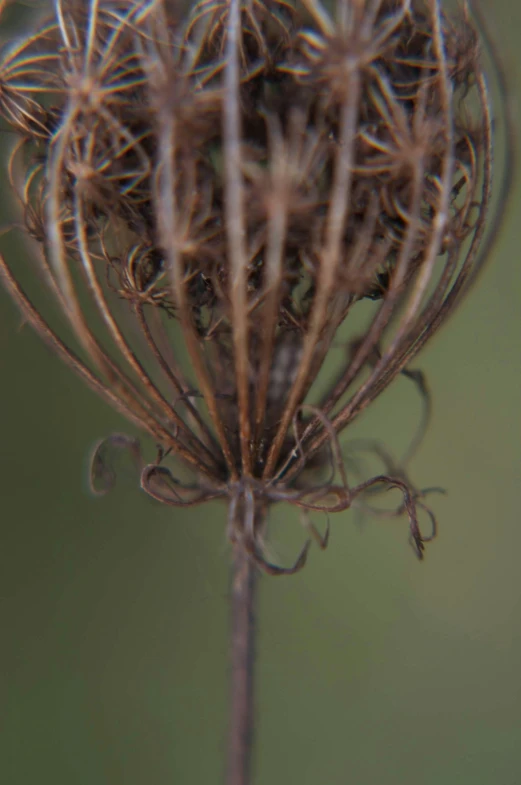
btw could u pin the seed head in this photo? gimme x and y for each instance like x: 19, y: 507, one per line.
x: 227, y: 187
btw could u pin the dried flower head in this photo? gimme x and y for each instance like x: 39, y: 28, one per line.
x: 217, y: 189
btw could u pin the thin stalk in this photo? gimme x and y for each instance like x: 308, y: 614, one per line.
x: 242, y: 656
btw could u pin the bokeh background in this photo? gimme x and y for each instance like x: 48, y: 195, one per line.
x: 371, y: 666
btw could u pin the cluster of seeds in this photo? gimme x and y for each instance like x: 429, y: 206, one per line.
x: 230, y: 182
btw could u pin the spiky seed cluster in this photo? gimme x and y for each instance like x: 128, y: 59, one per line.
x: 242, y: 175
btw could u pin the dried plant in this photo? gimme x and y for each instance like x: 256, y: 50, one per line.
x: 217, y: 191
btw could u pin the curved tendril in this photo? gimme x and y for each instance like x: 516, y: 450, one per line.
x: 171, y: 491
x: 274, y: 569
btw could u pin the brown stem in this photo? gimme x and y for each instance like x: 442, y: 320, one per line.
x: 240, y: 739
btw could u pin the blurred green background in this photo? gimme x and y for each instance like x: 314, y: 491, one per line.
x: 371, y: 666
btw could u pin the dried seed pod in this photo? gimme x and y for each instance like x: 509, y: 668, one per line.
x: 244, y: 178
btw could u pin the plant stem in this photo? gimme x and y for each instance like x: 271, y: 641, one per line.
x: 240, y: 739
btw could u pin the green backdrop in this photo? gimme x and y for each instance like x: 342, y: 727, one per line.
x: 373, y: 668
